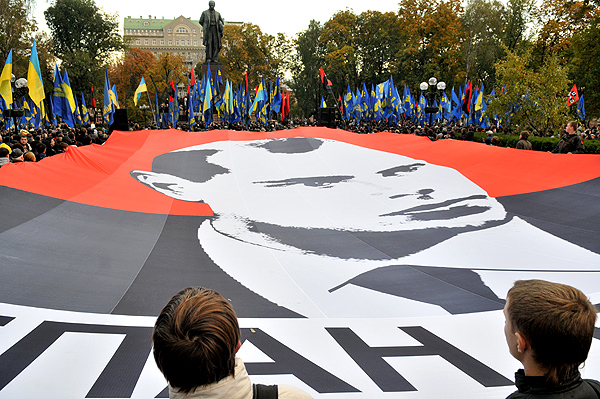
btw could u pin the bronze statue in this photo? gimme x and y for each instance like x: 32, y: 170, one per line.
x: 212, y: 28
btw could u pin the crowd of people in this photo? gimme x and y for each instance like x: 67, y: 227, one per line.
x: 32, y: 145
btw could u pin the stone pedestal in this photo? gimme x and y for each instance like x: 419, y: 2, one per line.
x: 214, y: 67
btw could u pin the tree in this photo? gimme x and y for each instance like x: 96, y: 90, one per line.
x: 584, y: 56
x: 429, y: 41
x: 483, y: 23
x: 535, y: 100
x: 377, y: 42
x: 338, y: 41
x: 167, y: 67
x: 126, y: 75
x: 16, y: 33
x: 247, y: 50
x: 309, y: 57
x: 560, y: 20
x: 518, y: 20
x: 84, y: 38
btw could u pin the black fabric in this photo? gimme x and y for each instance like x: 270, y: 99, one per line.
x: 178, y: 261
x: 529, y: 387
x: 563, y: 212
x: 62, y: 255
x: 260, y: 391
x: 456, y: 290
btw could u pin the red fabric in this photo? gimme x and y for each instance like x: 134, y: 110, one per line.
x: 100, y: 175
x: 173, y: 92
x: 573, y: 96
x: 93, y: 98
x: 322, y: 72
x: 466, y: 105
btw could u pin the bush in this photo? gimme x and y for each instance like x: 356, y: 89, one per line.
x: 537, y: 143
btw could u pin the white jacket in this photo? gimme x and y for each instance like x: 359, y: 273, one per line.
x: 238, y: 387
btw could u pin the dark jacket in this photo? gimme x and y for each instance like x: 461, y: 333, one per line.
x: 537, y: 387
x: 569, y: 143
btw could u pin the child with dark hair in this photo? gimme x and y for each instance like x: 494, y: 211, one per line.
x: 196, y: 338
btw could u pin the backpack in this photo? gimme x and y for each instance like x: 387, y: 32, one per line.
x: 260, y: 391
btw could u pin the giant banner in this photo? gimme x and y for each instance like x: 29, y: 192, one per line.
x: 359, y: 265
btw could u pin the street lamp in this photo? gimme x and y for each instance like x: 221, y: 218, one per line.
x: 144, y: 108
x: 432, y: 90
x: 19, y: 91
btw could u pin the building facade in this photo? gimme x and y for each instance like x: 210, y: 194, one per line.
x: 179, y: 36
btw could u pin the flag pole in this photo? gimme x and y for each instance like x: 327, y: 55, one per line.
x: 150, y: 104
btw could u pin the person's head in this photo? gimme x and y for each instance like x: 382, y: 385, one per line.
x: 16, y: 155
x: 4, y: 152
x: 29, y: 157
x: 211, y: 4
x: 195, y: 338
x: 524, y: 135
x: 23, y: 140
x: 571, y: 127
x: 553, y: 321
x: 359, y: 189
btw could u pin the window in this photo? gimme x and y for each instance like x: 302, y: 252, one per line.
x: 146, y: 24
x: 154, y: 41
x: 145, y: 41
x: 162, y: 42
x: 194, y: 31
x: 188, y: 42
x: 195, y: 42
x: 137, y: 41
x: 177, y: 42
x: 169, y: 30
x: 170, y: 42
x: 182, y: 29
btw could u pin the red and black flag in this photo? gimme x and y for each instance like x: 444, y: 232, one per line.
x: 573, y: 96
x: 93, y: 98
x: 466, y: 105
x: 172, y: 92
x: 326, y: 82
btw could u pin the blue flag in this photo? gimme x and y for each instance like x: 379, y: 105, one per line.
x: 581, y: 108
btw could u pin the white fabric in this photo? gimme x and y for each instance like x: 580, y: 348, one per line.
x: 236, y: 387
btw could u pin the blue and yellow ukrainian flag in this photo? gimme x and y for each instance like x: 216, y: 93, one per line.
x: 34, y: 78
x: 138, y: 92
x: 5, y: 89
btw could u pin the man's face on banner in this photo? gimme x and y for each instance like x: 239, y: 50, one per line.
x: 312, y: 183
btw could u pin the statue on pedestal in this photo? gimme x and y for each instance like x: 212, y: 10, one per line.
x: 212, y: 29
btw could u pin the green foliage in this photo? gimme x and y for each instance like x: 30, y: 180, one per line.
x: 429, y: 42
x: 532, y: 99
x: 585, y: 60
x: 544, y: 144
x: 483, y: 23
x: 247, y: 49
x: 16, y: 32
x: 519, y: 15
x: 309, y: 57
x: 84, y: 38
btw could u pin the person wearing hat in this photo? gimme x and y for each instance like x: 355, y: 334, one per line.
x: 16, y: 155
x: 4, y: 145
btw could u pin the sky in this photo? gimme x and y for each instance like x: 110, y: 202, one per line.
x: 272, y: 16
